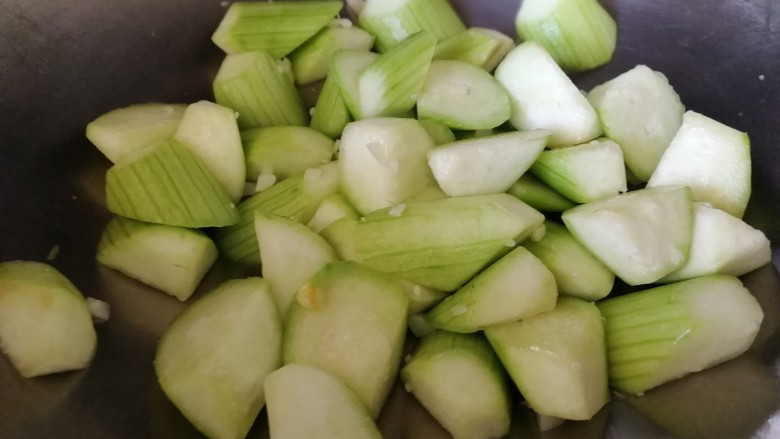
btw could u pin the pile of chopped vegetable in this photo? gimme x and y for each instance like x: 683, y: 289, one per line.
x: 450, y: 184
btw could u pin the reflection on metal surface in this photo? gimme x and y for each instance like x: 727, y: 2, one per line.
x: 710, y: 404
x: 771, y: 428
x: 625, y: 419
x: 765, y: 286
x: 26, y: 401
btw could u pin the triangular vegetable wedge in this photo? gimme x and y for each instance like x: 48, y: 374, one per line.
x: 579, y: 34
x: 172, y: 259
x: 167, y: 184
x: 577, y: 272
x: 290, y: 254
x: 260, y: 89
x: 459, y: 380
x: 664, y: 333
x: 391, y: 84
x: 331, y: 114
x: 487, y: 165
x: 45, y: 324
x: 557, y: 359
x: 515, y: 287
x: 710, y: 158
x: 345, y: 69
x: 722, y: 244
x: 393, y: 21
x: 213, y: 360
x: 440, y: 244
x: 641, y: 236
x: 641, y: 112
x: 463, y: 97
x: 544, y: 98
x: 121, y: 132
x: 311, y: 61
x: 276, y: 27
x: 296, y: 198
x: 307, y: 402
x: 349, y: 321
x: 584, y: 173
x: 210, y: 131
x: 382, y: 162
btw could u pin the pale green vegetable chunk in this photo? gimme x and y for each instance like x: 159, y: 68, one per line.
x: 439, y: 244
x: 168, y: 184
x: 45, y: 323
x: 710, y: 158
x: 641, y: 236
x: 382, y: 162
x: 391, y: 85
x: 515, y: 287
x: 311, y: 61
x: 284, y: 151
x: 276, y: 27
x: 213, y: 359
x: 331, y: 114
x: 346, y: 68
x: 641, y: 112
x: 557, y: 359
x: 584, y: 173
x: 664, y: 333
x: 577, y: 272
x: 121, y: 132
x: 171, y: 259
x: 349, y: 321
x: 459, y: 380
x: 463, y: 97
x: 579, y: 34
x: 722, y: 244
x: 485, y: 165
x: 210, y: 131
x: 260, y: 89
x: 482, y: 47
x: 393, y: 21
x: 544, y: 98
x: 290, y: 254
x: 307, y: 402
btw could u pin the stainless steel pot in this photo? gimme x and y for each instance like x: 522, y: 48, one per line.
x: 64, y: 63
